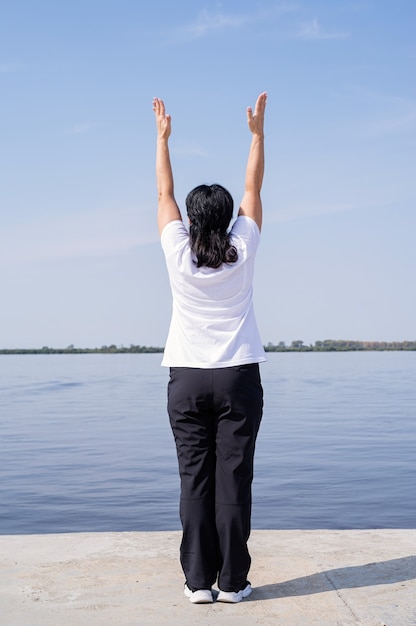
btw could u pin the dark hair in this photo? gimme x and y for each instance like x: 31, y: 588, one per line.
x: 210, y: 209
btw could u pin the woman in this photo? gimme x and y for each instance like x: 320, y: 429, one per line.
x: 215, y: 397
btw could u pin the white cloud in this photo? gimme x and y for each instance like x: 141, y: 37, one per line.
x: 380, y: 113
x: 293, y: 212
x: 207, y: 22
x: 313, y: 31
x: 93, y: 234
x: 190, y: 149
x: 402, y: 120
x: 10, y: 68
x: 81, y: 128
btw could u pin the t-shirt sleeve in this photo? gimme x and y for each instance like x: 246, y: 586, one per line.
x: 173, y: 237
x: 246, y: 229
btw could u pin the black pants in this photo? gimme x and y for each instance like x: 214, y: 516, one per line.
x: 215, y: 415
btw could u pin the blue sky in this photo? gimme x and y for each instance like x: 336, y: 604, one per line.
x: 80, y: 256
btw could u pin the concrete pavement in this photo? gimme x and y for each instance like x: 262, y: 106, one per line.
x: 300, y: 578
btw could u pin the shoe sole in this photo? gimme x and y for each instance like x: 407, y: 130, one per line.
x: 233, y: 597
x: 201, y: 596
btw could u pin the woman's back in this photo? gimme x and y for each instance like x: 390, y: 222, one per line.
x: 213, y: 322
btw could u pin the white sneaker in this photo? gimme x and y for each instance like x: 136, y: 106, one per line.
x: 200, y: 596
x: 234, y: 596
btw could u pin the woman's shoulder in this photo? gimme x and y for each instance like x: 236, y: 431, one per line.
x: 245, y: 228
x: 173, y: 232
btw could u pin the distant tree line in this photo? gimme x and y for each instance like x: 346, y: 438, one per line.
x: 111, y: 349
x: 328, y: 345
x: 338, y: 345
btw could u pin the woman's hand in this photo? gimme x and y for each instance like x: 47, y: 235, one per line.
x: 163, y: 121
x: 256, y: 121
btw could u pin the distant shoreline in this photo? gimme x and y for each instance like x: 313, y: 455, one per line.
x: 328, y: 345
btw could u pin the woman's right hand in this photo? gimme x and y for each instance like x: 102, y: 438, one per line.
x: 256, y: 121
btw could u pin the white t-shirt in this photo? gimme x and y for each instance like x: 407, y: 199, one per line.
x: 213, y: 323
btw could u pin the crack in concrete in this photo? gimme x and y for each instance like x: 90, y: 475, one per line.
x: 335, y: 588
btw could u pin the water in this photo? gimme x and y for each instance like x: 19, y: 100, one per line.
x: 86, y: 444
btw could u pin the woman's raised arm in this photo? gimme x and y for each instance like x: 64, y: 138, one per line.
x: 251, y: 203
x: 168, y: 209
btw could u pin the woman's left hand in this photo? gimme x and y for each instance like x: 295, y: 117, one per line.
x: 163, y: 121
